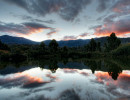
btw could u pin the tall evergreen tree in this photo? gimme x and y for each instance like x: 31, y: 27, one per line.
x: 92, y: 45
x: 98, y: 46
x: 53, y: 45
x: 42, y: 46
x: 112, y: 42
x: 4, y: 46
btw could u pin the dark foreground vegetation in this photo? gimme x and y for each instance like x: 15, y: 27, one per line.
x: 112, y: 48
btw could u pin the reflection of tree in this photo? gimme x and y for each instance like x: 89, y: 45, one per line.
x: 93, y: 65
x: 3, y: 65
x: 65, y: 61
x: 53, y: 66
x: 42, y: 64
x: 112, y: 67
x: 114, y: 70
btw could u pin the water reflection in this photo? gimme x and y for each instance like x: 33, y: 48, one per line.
x: 93, y: 65
x: 65, y: 80
x: 113, y: 68
x: 65, y: 83
x: 53, y: 66
x: 115, y: 87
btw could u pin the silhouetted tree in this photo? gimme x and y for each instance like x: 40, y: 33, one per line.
x: 123, y: 50
x: 88, y: 47
x: 112, y: 42
x: 53, y: 45
x: 4, y: 46
x: 42, y: 46
x: 64, y: 52
x: 93, y: 45
x: 98, y: 46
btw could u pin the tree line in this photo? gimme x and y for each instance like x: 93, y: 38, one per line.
x: 42, y: 51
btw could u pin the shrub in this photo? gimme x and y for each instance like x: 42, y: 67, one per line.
x: 123, y: 50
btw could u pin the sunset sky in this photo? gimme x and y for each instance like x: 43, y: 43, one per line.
x: 64, y: 19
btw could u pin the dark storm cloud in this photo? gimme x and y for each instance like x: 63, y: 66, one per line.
x: 29, y: 18
x: 21, y: 3
x: 121, y: 6
x: 67, y: 9
x: 34, y: 85
x: 103, y: 4
x: 11, y: 27
x: 39, y: 97
x: 65, y: 95
x: 34, y: 25
x: 117, y: 22
x: 23, y: 28
x: 110, y: 18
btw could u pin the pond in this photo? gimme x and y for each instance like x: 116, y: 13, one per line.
x: 65, y: 80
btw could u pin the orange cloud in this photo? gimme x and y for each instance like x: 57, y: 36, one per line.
x: 53, y: 31
x: 31, y: 31
x: 23, y: 29
x: 117, y: 10
x: 122, y: 81
x: 28, y: 78
x: 121, y: 28
x: 121, y: 6
x: 22, y: 79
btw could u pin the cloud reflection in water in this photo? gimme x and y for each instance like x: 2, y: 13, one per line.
x: 65, y: 84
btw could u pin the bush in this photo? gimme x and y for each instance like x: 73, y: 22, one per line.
x: 17, y: 57
x: 4, y: 56
x: 123, y: 50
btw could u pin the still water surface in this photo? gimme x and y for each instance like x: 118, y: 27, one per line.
x: 73, y: 80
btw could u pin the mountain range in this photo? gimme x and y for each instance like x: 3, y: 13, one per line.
x: 71, y: 43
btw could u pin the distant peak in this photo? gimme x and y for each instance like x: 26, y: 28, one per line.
x: 4, y: 35
x: 10, y: 36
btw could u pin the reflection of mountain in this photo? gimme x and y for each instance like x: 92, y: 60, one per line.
x: 104, y: 65
x: 73, y: 65
x: 13, y: 69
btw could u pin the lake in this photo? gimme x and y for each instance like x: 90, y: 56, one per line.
x: 65, y: 80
